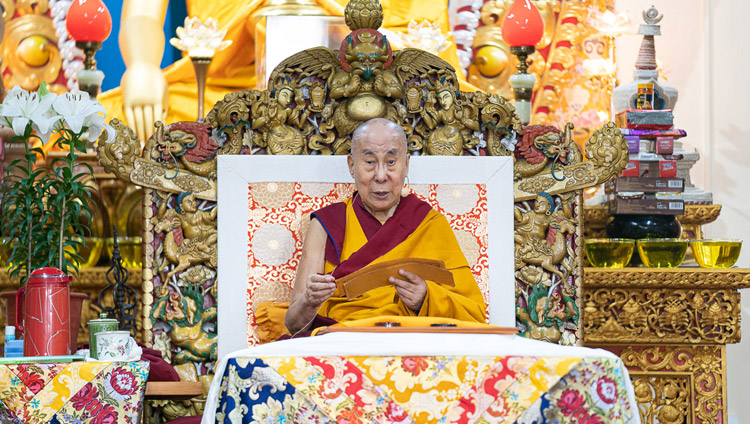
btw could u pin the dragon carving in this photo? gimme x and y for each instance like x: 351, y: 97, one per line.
x: 187, y: 145
x: 543, y: 148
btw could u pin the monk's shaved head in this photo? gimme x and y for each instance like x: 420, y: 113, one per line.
x: 378, y: 128
x: 379, y: 163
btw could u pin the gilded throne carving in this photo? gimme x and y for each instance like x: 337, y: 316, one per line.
x: 315, y: 100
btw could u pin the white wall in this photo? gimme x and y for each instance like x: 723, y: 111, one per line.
x: 703, y: 46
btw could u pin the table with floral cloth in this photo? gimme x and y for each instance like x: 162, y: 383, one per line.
x: 420, y: 378
x: 76, y: 392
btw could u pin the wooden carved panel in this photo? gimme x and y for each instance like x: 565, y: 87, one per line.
x: 664, y: 398
x: 662, y: 315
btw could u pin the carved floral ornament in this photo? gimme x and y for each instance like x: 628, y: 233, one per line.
x: 315, y: 100
x: 678, y: 384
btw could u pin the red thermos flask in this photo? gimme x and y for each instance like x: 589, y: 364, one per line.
x: 46, y: 313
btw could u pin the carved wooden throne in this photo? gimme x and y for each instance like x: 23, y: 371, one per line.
x: 315, y: 100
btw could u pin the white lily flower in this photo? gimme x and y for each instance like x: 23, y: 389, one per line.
x: 21, y: 107
x: 79, y: 111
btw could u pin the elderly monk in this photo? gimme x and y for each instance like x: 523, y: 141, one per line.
x: 377, y: 224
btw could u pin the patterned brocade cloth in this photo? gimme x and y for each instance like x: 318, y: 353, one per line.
x: 467, y: 378
x: 78, y: 392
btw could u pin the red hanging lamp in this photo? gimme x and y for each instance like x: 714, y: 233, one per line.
x: 89, y: 23
x: 523, y: 24
x: 522, y: 29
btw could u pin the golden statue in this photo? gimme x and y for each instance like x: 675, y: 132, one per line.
x: 274, y: 117
x: 458, y: 121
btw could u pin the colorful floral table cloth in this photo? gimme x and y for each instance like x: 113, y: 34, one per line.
x: 556, y: 385
x: 68, y: 393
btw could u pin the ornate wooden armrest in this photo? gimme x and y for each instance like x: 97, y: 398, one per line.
x: 173, y: 390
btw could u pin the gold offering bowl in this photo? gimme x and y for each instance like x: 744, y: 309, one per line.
x: 130, y: 250
x: 716, y: 253
x: 662, y: 253
x: 91, y: 253
x: 609, y: 253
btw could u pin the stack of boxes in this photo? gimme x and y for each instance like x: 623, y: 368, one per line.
x: 657, y: 178
x: 649, y: 184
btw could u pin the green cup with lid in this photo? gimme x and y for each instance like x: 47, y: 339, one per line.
x: 97, y: 326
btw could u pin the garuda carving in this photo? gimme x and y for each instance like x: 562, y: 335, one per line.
x: 326, y: 94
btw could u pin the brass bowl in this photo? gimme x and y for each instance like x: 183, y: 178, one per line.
x: 91, y: 253
x: 130, y: 250
x: 662, y: 253
x: 609, y: 253
x: 716, y: 253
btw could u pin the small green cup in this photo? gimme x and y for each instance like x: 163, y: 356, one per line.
x: 97, y: 326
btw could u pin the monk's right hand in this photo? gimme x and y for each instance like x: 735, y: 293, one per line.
x: 319, y: 288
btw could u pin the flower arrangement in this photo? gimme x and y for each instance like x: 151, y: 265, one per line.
x: 44, y: 208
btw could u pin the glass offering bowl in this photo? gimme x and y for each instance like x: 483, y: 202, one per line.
x: 662, y: 253
x: 609, y: 253
x: 130, y: 250
x: 716, y: 253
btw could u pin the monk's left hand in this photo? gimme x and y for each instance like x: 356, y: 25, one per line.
x: 412, y: 289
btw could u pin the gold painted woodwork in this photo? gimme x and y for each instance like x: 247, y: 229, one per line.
x: 632, y: 315
x: 607, y: 157
x: 677, y: 383
x: 665, y: 398
x: 670, y: 327
x: 674, y: 278
x: 90, y: 281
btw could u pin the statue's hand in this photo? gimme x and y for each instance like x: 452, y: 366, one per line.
x: 353, y: 86
x: 379, y: 82
x: 412, y: 289
x: 145, y: 95
x: 318, y: 289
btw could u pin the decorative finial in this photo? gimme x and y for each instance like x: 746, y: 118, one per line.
x: 652, y: 16
x: 363, y: 14
x: 125, y: 298
x: 647, y: 53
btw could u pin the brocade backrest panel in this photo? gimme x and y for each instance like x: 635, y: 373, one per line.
x: 279, y: 215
